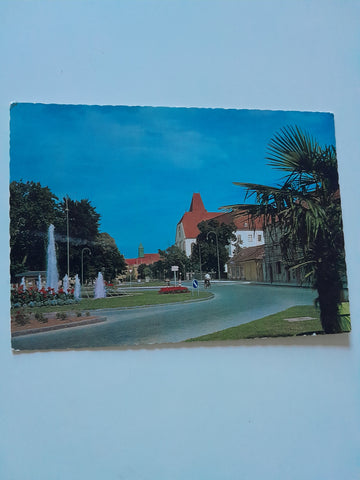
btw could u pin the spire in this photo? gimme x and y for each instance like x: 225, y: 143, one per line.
x: 141, y: 251
x: 197, y: 204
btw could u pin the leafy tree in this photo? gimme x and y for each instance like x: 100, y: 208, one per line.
x: 144, y: 271
x: 213, y: 236
x: 158, y: 270
x: 105, y: 257
x: 83, y: 232
x: 174, y: 256
x: 306, y: 213
x: 32, y: 209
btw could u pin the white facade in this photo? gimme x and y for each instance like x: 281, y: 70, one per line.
x: 187, y: 230
x: 185, y: 244
x: 247, y: 238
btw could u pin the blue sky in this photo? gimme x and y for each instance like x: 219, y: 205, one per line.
x: 139, y: 166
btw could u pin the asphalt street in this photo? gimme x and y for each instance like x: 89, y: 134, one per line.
x: 233, y: 304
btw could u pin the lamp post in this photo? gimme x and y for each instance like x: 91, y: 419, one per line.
x: 82, y: 263
x: 217, y: 249
x: 67, y: 235
x: 200, y: 261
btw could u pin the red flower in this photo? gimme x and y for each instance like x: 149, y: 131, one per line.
x: 173, y: 290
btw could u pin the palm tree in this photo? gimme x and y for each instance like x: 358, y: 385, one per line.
x: 306, y: 213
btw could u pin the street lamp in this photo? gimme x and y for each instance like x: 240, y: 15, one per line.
x: 82, y: 263
x: 67, y: 234
x: 217, y: 249
x: 200, y: 261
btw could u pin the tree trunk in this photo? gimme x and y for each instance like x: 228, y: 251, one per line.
x: 329, y: 299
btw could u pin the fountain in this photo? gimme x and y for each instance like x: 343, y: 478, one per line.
x: 39, y: 283
x: 52, y: 277
x: 22, y: 284
x: 99, y: 287
x: 66, y: 283
x: 77, y: 287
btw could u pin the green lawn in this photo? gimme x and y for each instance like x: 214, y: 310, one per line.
x: 134, y: 299
x: 277, y: 325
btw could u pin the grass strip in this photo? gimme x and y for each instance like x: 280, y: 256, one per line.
x: 134, y: 299
x: 277, y: 325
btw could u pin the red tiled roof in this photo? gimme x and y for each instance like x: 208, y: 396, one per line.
x: 249, y: 253
x: 242, y: 222
x: 190, y: 221
x: 195, y: 215
x: 197, y: 204
x: 147, y: 259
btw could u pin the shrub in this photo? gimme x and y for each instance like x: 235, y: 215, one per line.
x: 40, y: 317
x: 21, y: 317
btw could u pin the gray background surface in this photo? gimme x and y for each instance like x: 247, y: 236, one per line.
x: 250, y: 412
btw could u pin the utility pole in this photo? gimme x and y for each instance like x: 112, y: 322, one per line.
x: 200, y: 261
x: 67, y: 234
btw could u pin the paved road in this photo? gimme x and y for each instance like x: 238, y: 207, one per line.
x: 233, y: 304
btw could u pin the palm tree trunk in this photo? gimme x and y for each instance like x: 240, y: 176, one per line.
x: 329, y: 298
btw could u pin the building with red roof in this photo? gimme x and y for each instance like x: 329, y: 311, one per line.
x: 248, y: 264
x: 248, y: 234
x: 142, y: 259
x: 187, y: 228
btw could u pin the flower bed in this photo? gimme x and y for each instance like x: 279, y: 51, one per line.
x: 174, y: 290
x: 33, y: 297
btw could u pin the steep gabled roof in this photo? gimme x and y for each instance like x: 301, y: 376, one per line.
x: 197, y: 204
x: 195, y: 215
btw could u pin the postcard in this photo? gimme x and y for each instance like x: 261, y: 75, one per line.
x: 137, y: 226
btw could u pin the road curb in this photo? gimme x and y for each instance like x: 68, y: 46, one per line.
x: 31, y: 331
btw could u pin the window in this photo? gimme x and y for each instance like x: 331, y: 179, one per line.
x: 250, y: 238
x: 278, y: 267
x: 259, y: 238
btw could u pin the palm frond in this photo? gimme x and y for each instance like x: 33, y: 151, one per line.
x: 292, y: 150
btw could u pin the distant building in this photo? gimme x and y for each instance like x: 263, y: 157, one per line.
x: 187, y: 228
x: 276, y: 269
x: 247, y: 264
x: 249, y: 233
x: 142, y: 259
